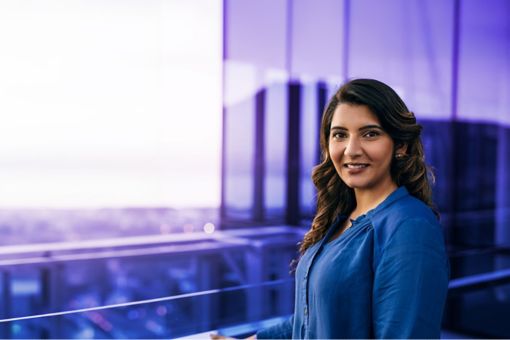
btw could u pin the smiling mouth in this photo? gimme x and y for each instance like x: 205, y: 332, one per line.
x: 355, y: 165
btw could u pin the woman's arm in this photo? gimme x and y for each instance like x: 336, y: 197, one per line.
x: 411, y: 282
x: 282, y: 330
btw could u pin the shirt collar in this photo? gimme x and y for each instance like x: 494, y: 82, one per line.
x: 394, y: 196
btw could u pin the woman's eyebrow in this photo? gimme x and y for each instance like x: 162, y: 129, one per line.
x: 360, y: 129
x: 370, y: 127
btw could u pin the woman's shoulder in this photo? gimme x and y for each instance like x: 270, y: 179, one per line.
x: 410, y: 207
x: 407, y: 219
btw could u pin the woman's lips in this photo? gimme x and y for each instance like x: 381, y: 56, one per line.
x: 355, y: 168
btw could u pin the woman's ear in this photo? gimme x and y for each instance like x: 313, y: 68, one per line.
x: 401, y: 150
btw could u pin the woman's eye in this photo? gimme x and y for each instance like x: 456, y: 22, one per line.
x: 338, y: 135
x: 371, y: 134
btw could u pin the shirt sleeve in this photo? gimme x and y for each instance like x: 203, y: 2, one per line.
x: 411, y: 282
x: 283, y: 330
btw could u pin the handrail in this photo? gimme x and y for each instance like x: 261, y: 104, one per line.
x: 473, y: 282
x: 469, y: 282
x: 147, y: 301
x: 146, y: 240
x: 172, y: 249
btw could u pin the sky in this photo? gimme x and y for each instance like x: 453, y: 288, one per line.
x: 110, y: 103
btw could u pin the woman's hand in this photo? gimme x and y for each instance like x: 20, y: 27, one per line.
x: 219, y: 337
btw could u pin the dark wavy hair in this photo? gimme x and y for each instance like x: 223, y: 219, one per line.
x: 334, y: 197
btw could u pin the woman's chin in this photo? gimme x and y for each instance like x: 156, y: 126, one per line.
x: 356, y: 184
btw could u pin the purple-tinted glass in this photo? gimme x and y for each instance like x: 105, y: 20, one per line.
x: 317, y: 38
x: 484, y: 61
x: 406, y: 44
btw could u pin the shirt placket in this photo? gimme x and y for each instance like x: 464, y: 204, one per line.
x: 306, y: 305
x: 306, y: 316
x: 305, y: 300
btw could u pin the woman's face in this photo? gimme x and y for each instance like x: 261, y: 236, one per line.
x: 360, y: 149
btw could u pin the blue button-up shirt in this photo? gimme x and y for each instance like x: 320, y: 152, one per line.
x: 384, y: 277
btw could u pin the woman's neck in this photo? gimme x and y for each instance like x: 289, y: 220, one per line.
x: 369, y: 199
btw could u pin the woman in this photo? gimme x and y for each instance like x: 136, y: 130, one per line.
x: 373, y: 264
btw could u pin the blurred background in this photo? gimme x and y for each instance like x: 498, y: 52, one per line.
x: 155, y: 156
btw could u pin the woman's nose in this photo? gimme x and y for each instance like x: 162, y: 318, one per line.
x: 353, y: 147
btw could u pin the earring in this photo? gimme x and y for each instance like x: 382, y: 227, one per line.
x: 399, y: 156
